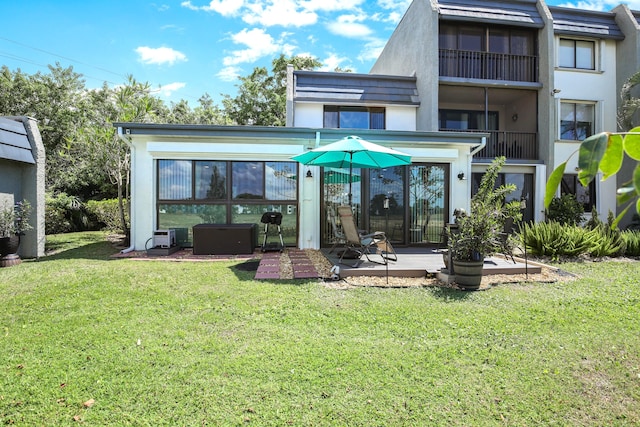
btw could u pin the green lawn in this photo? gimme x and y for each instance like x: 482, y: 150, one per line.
x: 85, y: 340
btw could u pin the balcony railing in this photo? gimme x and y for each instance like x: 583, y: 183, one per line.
x: 512, y: 145
x: 488, y: 66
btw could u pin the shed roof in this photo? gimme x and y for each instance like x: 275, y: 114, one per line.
x: 354, y: 89
x: 522, y: 13
x: 14, y: 141
x: 581, y: 22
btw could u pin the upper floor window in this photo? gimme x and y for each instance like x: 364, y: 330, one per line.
x: 580, y: 54
x: 577, y: 120
x: 486, y: 39
x: 354, y: 117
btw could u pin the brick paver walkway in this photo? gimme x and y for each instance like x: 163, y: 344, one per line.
x: 302, y: 266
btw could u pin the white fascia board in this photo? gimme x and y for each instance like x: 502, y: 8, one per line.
x: 222, y: 151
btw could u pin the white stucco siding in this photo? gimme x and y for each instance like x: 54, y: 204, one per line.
x: 309, y: 115
x: 401, y: 118
x: 143, y: 195
x: 598, y: 87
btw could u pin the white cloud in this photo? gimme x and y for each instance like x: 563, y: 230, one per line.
x: 333, y: 61
x: 223, y: 7
x: 168, y: 89
x: 229, y: 74
x: 331, y: 5
x: 350, y: 26
x: 372, y: 50
x: 160, y: 55
x: 279, y: 12
x: 605, y: 5
x: 259, y: 44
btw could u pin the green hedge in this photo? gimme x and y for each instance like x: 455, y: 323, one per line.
x: 107, y: 214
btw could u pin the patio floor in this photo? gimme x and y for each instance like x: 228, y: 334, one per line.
x: 420, y: 262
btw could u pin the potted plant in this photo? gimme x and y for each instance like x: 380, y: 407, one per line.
x: 14, y: 221
x: 480, y: 233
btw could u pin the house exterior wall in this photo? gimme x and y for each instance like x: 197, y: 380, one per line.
x: 413, y: 50
x: 156, y: 142
x: 602, y: 89
x: 19, y: 181
x: 396, y: 117
x: 146, y: 150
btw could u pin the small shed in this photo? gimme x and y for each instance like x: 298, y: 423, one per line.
x: 22, y: 176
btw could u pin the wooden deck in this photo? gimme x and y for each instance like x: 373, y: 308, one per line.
x: 421, y: 262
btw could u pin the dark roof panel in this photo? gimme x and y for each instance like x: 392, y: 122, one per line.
x: 589, y: 23
x: 521, y: 13
x: 14, y: 142
x: 356, y: 89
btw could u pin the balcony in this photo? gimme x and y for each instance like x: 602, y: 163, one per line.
x: 488, y: 66
x: 512, y: 145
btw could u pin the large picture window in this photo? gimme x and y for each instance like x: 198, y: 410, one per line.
x: 194, y: 192
x: 576, y: 121
x: 579, y: 54
x: 354, y: 117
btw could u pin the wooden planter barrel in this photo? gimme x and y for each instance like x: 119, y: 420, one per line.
x: 9, y: 251
x: 468, y: 274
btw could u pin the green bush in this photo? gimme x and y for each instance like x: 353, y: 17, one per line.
x: 555, y: 240
x: 565, y: 210
x: 107, y: 214
x: 610, y: 242
x: 64, y: 214
x: 632, y: 242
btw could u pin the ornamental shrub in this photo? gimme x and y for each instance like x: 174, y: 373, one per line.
x: 554, y: 240
x: 565, y: 210
x: 632, y: 242
x: 106, y: 214
x: 64, y: 214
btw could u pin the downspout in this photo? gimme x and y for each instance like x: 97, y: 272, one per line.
x: 131, y: 239
x: 479, y: 147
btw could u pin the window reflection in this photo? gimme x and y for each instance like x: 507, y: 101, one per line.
x: 280, y: 180
x: 247, y: 180
x: 211, y: 180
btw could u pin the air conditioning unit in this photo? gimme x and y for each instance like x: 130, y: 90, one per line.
x: 164, y: 238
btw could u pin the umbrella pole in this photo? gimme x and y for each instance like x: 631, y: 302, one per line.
x: 350, y: 180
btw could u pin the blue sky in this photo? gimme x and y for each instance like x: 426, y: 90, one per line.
x: 185, y: 48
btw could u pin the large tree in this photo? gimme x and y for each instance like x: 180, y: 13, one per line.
x: 56, y: 100
x: 261, y: 98
x: 131, y: 102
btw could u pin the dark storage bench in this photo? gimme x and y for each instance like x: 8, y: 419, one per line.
x: 224, y: 239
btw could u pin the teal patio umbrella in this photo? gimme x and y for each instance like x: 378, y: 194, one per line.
x: 353, y: 152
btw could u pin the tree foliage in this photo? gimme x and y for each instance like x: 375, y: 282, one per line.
x: 262, y: 96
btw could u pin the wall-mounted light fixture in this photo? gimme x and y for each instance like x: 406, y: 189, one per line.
x: 461, y: 176
x: 309, y: 174
x: 515, y: 117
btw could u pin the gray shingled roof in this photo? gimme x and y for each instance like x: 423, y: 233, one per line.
x: 354, y: 89
x: 14, y: 142
x: 521, y: 13
x: 585, y: 23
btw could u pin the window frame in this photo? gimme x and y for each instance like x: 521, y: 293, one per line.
x: 575, y: 50
x: 593, y: 122
x: 331, y: 115
x: 591, y: 189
